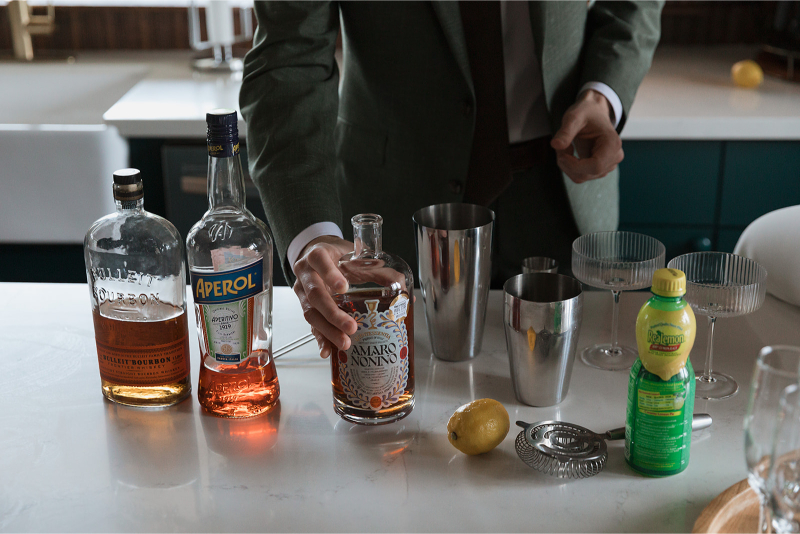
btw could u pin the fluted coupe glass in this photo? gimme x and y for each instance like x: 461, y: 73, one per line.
x: 720, y: 284
x: 777, y: 367
x: 619, y: 261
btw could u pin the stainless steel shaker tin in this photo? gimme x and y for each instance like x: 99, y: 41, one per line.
x: 542, y: 320
x: 454, y: 249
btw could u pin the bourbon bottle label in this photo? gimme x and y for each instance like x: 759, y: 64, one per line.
x: 225, y: 303
x: 374, y: 371
x: 142, y: 353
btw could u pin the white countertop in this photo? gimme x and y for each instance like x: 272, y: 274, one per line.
x: 71, y: 461
x: 688, y: 94
x: 171, y: 101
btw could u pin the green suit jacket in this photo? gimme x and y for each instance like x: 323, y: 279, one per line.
x: 396, y: 135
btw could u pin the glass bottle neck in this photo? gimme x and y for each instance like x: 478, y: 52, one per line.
x: 130, y: 206
x: 225, y: 183
x: 367, y: 238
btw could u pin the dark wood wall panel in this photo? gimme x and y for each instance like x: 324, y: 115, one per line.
x: 114, y: 28
x: 690, y: 22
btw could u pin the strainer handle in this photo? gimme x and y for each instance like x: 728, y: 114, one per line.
x: 617, y: 433
x: 699, y: 422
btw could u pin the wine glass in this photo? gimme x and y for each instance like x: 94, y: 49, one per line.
x: 719, y: 284
x: 776, y: 368
x: 619, y: 261
x: 783, y: 481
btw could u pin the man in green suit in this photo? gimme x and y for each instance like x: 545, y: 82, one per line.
x: 407, y: 127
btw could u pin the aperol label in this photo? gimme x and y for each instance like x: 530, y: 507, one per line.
x: 225, y: 303
x: 374, y: 370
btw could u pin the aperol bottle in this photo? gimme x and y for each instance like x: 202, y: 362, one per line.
x: 230, y: 266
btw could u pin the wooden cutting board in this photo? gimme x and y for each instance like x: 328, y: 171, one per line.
x: 733, y: 510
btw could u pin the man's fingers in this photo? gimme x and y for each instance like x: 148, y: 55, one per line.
x: 319, y: 260
x: 582, y: 170
x: 336, y: 337
x: 318, y: 322
x: 579, y: 167
x: 606, y: 155
x: 318, y: 297
x: 325, y: 347
x: 571, y: 125
x: 326, y: 329
x: 606, y: 150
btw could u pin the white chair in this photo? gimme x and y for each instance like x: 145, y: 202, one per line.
x: 773, y: 240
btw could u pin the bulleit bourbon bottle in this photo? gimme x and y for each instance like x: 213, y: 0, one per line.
x: 373, y: 380
x: 230, y: 266
x: 137, y: 283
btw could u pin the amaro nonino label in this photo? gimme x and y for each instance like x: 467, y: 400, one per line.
x: 374, y: 370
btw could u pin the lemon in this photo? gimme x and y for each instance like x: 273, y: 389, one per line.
x: 747, y: 74
x: 478, y: 426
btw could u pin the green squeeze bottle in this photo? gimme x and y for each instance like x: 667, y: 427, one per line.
x: 658, y: 427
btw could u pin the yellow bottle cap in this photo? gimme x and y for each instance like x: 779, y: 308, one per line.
x: 669, y: 283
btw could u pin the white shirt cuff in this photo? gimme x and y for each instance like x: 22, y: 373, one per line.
x: 611, y: 96
x: 309, y: 234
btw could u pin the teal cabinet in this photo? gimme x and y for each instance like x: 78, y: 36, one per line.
x: 701, y: 195
x: 669, y: 182
x: 677, y: 240
x: 670, y: 190
x: 758, y: 177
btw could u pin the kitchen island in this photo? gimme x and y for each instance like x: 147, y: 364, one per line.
x: 72, y: 461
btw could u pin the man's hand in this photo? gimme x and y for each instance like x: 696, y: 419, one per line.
x: 587, y: 124
x: 318, y: 277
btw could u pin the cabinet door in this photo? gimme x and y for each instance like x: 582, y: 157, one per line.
x: 677, y: 240
x: 759, y: 177
x: 669, y: 182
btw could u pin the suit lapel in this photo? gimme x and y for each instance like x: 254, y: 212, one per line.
x: 450, y: 19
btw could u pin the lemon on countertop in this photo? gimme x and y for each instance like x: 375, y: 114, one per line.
x: 478, y: 426
x: 747, y: 74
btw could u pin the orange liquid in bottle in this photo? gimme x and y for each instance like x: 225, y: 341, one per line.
x: 245, y: 389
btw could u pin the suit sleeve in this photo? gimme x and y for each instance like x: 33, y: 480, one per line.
x: 621, y: 38
x: 289, y: 98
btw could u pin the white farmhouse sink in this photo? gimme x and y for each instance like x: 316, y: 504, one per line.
x: 56, y: 155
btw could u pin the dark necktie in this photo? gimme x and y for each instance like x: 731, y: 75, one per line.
x: 489, y: 164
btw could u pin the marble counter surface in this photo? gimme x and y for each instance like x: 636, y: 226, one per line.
x: 688, y: 94
x: 71, y: 461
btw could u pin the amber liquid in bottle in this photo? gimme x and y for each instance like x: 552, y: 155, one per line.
x: 245, y: 389
x: 143, y: 363
x: 356, y: 302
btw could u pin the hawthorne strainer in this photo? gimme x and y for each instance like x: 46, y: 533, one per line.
x: 565, y: 450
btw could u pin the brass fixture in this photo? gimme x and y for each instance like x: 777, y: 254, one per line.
x: 24, y: 24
